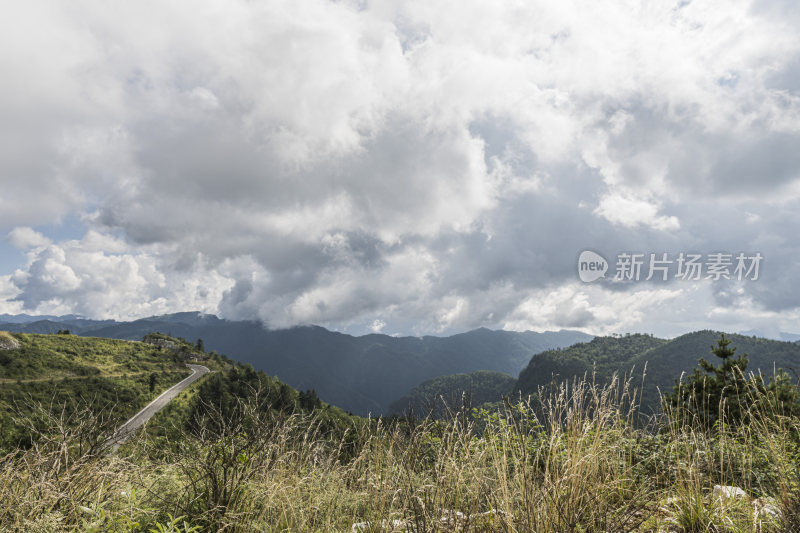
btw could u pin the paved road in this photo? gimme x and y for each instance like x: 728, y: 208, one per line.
x: 138, y: 420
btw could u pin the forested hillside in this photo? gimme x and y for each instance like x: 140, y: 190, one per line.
x: 664, y: 361
x: 444, y: 395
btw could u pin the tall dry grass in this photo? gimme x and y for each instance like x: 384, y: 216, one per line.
x: 576, y: 459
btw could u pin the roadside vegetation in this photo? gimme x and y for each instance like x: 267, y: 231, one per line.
x: 64, y: 373
x: 243, y: 452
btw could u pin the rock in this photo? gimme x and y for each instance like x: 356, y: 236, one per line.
x: 172, y: 346
x: 161, y: 343
x: 727, y: 492
x: 7, y: 341
x: 766, y: 508
x: 492, y: 520
x: 499, y: 513
x: 390, y: 526
x: 452, y: 518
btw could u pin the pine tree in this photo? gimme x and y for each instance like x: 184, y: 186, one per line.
x: 712, y: 392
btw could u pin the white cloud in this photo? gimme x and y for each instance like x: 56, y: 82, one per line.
x: 82, y: 277
x: 7, y: 292
x: 331, y: 162
x: 26, y: 238
x: 631, y: 212
x: 590, y: 308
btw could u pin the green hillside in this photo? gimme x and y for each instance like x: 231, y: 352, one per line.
x: 602, y: 355
x: 668, y: 362
x: 65, y: 369
x: 439, y: 396
x: 117, y: 378
x: 218, y: 396
x: 664, y: 360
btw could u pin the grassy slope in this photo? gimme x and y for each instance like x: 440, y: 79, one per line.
x: 66, y: 368
x: 580, y: 467
x: 584, y: 468
x: 231, y: 382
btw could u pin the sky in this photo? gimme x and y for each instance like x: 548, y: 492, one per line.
x: 415, y: 167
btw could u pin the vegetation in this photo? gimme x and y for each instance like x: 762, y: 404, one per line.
x: 721, y: 394
x: 244, y: 458
x: 216, y: 399
x: 442, y: 396
x: 363, y: 375
x: 64, y: 371
x: 663, y: 361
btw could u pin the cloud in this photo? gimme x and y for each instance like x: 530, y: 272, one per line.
x: 25, y: 238
x: 333, y: 162
x: 589, y: 308
x: 632, y: 212
x: 83, y: 277
x: 377, y: 325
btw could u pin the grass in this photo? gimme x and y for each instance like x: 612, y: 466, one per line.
x: 64, y: 370
x: 576, y: 460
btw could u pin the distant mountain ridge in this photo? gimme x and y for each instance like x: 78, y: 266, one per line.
x: 780, y: 336
x: 361, y: 374
x: 665, y: 361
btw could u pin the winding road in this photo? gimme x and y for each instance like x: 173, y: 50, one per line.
x: 127, y: 429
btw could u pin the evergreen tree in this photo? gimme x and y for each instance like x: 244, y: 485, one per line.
x: 711, y: 391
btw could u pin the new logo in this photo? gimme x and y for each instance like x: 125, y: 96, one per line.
x: 591, y: 266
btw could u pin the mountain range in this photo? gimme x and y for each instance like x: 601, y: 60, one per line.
x: 362, y: 374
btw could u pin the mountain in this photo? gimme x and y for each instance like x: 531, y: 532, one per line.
x: 441, y: 396
x: 780, y: 336
x: 365, y: 374
x: 24, y: 319
x: 120, y: 377
x: 665, y: 360
x: 360, y: 374
x: 51, y: 324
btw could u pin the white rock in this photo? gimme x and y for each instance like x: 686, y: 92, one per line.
x: 499, y: 514
x: 766, y: 507
x: 451, y: 517
x: 7, y: 342
x: 727, y: 492
x: 386, y: 525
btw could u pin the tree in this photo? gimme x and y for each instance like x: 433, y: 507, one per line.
x: 153, y: 380
x: 199, y: 346
x: 309, y: 400
x: 712, y: 392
